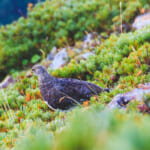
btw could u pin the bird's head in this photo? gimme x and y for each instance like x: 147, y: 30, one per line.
x: 39, y: 70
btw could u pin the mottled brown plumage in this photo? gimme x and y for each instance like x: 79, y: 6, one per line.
x: 63, y: 93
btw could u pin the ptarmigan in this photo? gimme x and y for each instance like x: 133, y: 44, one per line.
x: 63, y: 93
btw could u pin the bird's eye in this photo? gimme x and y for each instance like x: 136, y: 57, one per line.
x: 33, y: 69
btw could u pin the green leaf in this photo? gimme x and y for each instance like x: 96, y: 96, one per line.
x: 35, y: 58
x: 25, y: 62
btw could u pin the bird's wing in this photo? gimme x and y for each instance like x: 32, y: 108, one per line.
x: 79, y: 90
x: 58, y: 99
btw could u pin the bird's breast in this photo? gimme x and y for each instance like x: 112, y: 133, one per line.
x: 45, y: 90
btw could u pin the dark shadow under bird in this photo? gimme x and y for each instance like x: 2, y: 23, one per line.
x: 63, y: 93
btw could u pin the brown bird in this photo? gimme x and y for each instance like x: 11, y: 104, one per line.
x: 63, y: 93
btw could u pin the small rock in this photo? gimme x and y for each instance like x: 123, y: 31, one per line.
x: 141, y: 21
x: 52, y: 54
x: 60, y: 59
x: 91, y: 40
x: 121, y: 100
x: 77, y: 50
x: 90, y: 36
x: 85, y: 55
x: 6, y: 82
